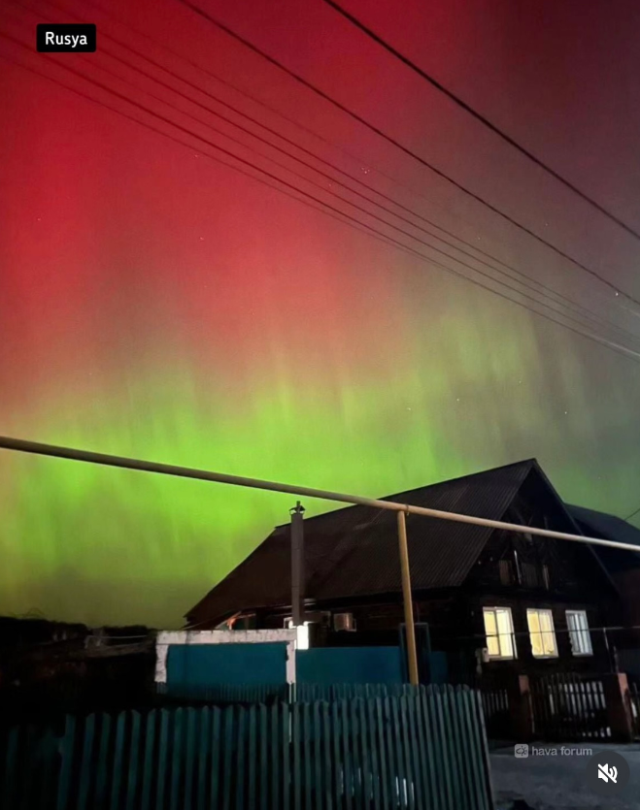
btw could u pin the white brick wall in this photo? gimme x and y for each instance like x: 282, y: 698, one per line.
x: 167, y: 637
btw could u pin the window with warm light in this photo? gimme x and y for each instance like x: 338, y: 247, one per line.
x: 579, y: 632
x: 542, y: 633
x: 498, y: 626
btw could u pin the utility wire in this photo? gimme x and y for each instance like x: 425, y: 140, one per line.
x: 272, y: 60
x: 633, y: 514
x: 593, y: 318
x: 478, y: 116
x: 584, y: 312
x: 296, y: 123
x: 343, y: 199
x: 635, y: 356
x: 339, y: 197
x: 316, y: 135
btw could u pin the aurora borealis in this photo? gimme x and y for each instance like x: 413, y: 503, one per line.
x: 155, y: 303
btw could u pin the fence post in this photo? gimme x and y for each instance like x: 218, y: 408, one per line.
x: 619, y: 714
x: 521, y: 708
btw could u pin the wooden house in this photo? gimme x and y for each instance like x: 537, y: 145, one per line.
x: 492, y: 600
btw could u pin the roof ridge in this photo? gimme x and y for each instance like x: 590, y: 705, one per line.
x: 531, y: 462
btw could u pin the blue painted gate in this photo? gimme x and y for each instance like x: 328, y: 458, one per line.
x: 206, y: 666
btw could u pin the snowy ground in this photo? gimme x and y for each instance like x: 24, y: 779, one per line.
x: 558, y: 783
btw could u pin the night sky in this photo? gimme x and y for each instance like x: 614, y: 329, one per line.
x: 156, y: 303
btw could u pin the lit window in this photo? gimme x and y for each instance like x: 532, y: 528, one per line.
x: 498, y: 626
x: 542, y: 633
x: 579, y: 632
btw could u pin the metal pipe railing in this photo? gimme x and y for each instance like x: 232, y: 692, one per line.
x: 122, y: 462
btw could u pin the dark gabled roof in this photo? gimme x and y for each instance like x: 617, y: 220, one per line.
x: 353, y: 551
x: 609, y: 527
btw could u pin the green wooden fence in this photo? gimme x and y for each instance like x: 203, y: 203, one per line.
x: 225, y: 694
x: 423, y: 749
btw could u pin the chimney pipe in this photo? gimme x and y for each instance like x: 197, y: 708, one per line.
x: 297, y: 565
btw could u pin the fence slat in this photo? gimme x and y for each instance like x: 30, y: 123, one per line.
x: 440, y: 740
x: 227, y: 774
x: 338, y: 768
x: 116, y: 772
x: 28, y: 783
x: 177, y: 741
x: 102, y: 767
x: 86, y: 766
x: 307, y: 734
x: 372, y: 742
x: 356, y: 753
x: 66, y: 751
x: 190, y: 761
x: 286, y: 756
x: 147, y: 767
x: 328, y: 780
x: 346, y: 754
x: 478, y: 790
x: 264, y: 759
x: 47, y: 774
x: 216, y: 755
x: 400, y: 772
x: 253, y: 731
x: 240, y: 758
x: 433, y: 773
x: 275, y: 759
x: 416, y: 750
x: 134, y: 754
x: 465, y: 746
x: 296, y: 732
x: 367, y: 787
x: 163, y: 756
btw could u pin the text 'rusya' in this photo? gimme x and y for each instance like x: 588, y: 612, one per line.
x: 66, y: 38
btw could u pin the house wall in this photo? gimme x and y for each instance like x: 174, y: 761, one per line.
x: 576, y: 581
x: 573, y: 578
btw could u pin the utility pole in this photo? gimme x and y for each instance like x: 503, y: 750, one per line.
x: 410, y: 630
x: 297, y: 565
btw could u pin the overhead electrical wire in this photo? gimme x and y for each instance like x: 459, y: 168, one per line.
x: 633, y: 514
x: 584, y: 312
x: 347, y: 218
x: 302, y: 127
x: 390, y: 139
x: 359, y: 208
x: 477, y: 115
x: 342, y: 199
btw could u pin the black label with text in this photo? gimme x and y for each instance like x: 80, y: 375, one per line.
x: 66, y: 38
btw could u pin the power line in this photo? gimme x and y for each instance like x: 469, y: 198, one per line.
x: 585, y: 312
x: 477, y: 115
x: 316, y: 135
x: 631, y: 354
x: 633, y: 514
x: 230, y: 32
x: 333, y: 194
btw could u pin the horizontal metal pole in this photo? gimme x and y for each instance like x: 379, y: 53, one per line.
x: 123, y: 462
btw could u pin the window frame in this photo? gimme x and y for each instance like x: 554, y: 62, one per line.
x: 581, y: 632
x: 495, y: 609
x: 542, y: 633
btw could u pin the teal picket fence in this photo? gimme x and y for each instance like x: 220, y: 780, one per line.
x: 425, y: 748
x: 225, y: 694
